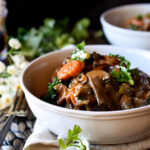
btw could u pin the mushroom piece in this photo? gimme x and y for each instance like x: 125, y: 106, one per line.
x: 126, y: 102
x: 61, y: 93
x: 96, y: 79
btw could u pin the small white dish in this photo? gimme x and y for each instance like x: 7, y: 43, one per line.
x: 107, y: 127
x: 114, y: 21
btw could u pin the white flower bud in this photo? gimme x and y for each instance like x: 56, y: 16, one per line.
x: 14, y: 43
x: 12, y: 70
x: 23, y: 65
x: 4, y: 89
x: 18, y: 59
x: 2, y: 105
x: 2, y: 67
x: 7, y: 99
x: 14, y: 82
x: 86, y: 143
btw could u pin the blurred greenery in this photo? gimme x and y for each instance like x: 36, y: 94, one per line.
x: 52, y: 35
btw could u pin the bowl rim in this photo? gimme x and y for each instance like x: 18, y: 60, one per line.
x: 58, y: 109
x: 121, y: 29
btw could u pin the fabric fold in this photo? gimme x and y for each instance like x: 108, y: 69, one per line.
x: 42, y: 139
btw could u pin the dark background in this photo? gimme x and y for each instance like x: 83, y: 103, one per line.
x: 28, y: 13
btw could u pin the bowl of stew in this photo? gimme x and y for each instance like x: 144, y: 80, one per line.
x: 103, y: 89
x: 127, y: 25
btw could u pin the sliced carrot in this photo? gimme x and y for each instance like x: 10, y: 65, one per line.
x: 71, y: 69
x: 71, y: 93
x: 137, y: 22
x: 73, y: 99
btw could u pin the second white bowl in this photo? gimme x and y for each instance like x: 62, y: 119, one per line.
x: 113, y: 23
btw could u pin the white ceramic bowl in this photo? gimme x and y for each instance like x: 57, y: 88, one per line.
x: 114, y: 20
x: 98, y: 127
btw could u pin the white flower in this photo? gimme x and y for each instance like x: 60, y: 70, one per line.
x: 14, y: 82
x: 2, y: 67
x: 86, y: 143
x: 7, y: 99
x: 14, y: 43
x: 11, y: 69
x: 4, y: 89
x: 18, y: 59
x: 23, y: 65
x: 2, y: 80
x: 2, y: 105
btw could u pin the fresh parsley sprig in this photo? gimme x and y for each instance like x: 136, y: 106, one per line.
x: 72, y: 139
x: 80, y: 53
x: 125, y: 72
x: 81, y: 45
x: 52, y: 94
x: 14, y: 46
x: 126, y: 63
x: 123, y: 76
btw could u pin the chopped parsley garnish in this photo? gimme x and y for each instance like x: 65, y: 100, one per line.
x: 72, y: 139
x: 139, y: 16
x: 125, y: 73
x: 133, y: 27
x: 81, y: 45
x: 52, y: 94
x: 125, y: 63
x: 4, y: 74
x: 123, y: 76
x: 80, y: 53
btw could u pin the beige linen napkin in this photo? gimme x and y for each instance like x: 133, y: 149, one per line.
x: 42, y: 139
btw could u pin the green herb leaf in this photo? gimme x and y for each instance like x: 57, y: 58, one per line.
x: 133, y: 27
x: 72, y: 139
x: 52, y: 94
x: 139, y: 16
x: 61, y: 143
x: 115, y: 74
x: 4, y: 74
x: 124, y: 75
x: 81, y: 45
x: 126, y: 63
x: 50, y: 36
x: 63, y: 40
x: 80, y: 53
x: 73, y: 134
x: 98, y: 34
x: 79, y: 31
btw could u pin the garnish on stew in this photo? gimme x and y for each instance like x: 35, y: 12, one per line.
x: 96, y: 82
